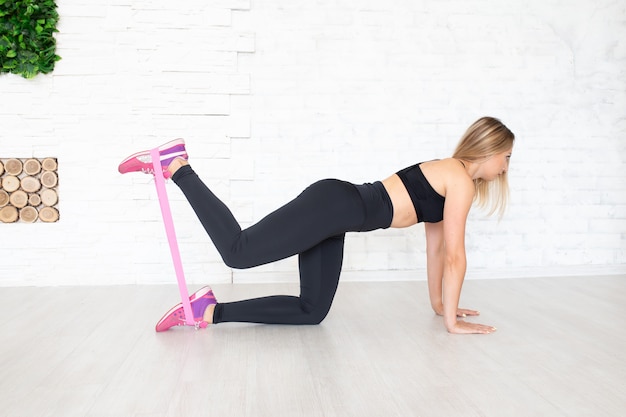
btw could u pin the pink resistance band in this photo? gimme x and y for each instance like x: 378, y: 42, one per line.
x: 171, y: 235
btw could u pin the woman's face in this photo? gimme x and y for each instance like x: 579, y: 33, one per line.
x: 496, y: 165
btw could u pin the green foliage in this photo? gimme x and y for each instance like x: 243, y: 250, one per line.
x: 27, y: 44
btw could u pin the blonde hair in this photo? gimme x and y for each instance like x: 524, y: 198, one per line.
x: 485, y: 138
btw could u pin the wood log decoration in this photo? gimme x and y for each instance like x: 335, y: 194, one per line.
x: 48, y: 214
x: 32, y: 167
x: 49, y: 179
x: 29, y: 190
x: 8, y: 214
x: 10, y: 183
x: 34, y: 200
x: 29, y: 214
x: 4, y: 198
x: 13, y: 167
x: 18, y: 199
x: 30, y: 184
x: 49, y: 197
x: 49, y: 164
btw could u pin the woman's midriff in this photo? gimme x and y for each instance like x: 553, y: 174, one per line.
x: 403, y: 211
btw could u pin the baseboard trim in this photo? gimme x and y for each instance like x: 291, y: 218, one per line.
x: 259, y: 277
x: 420, y: 274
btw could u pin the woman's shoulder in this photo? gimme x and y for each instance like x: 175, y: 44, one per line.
x: 447, y: 173
x: 446, y: 163
x: 443, y: 166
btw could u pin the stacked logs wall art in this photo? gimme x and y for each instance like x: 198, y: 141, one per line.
x: 29, y: 190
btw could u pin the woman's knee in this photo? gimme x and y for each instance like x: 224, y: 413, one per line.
x: 313, y: 319
x: 314, y: 313
x: 237, y: 260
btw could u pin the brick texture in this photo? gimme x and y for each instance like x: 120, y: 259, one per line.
x: 273, y: 95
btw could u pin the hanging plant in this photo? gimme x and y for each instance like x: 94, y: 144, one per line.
x: 27, y: 44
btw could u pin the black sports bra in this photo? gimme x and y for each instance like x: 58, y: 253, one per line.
x: 428, y: 203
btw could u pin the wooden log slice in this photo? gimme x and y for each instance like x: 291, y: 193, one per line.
x: 30, y: 184
x: 1, y: 168
x: 32, y: 167
x: 34, y: 200
x: 29, y: 214
x: 49, y: 164
x: 4, y: 198
x: 49, y: 179
x: 13, y: 167
x: 48, y: 214
x: 8, y: 214
x: 19, y: 199
x: 10, y: 183
x: 49, y: 197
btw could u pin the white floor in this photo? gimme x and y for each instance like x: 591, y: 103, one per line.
x: 560, y: 350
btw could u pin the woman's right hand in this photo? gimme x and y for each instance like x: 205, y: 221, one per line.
x: 464, y: 327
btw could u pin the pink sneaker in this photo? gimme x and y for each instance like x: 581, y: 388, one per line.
x: 200, y: 300
x: 142, y: 161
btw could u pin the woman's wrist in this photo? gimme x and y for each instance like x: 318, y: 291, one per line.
x: 449, y: 323
x: 437, y: 308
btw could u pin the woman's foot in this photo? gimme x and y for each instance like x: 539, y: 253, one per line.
x: 202, y: 302
x: 170, y: 153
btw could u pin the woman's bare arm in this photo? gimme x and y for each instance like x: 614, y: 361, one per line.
x: 459, y: 197
x: 434, y: 264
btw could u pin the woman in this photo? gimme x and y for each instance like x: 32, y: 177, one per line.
x: 313, y: 226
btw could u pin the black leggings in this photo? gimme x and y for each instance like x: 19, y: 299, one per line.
x: 313, y: 225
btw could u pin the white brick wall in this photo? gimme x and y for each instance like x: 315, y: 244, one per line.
x: 274, y: 94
